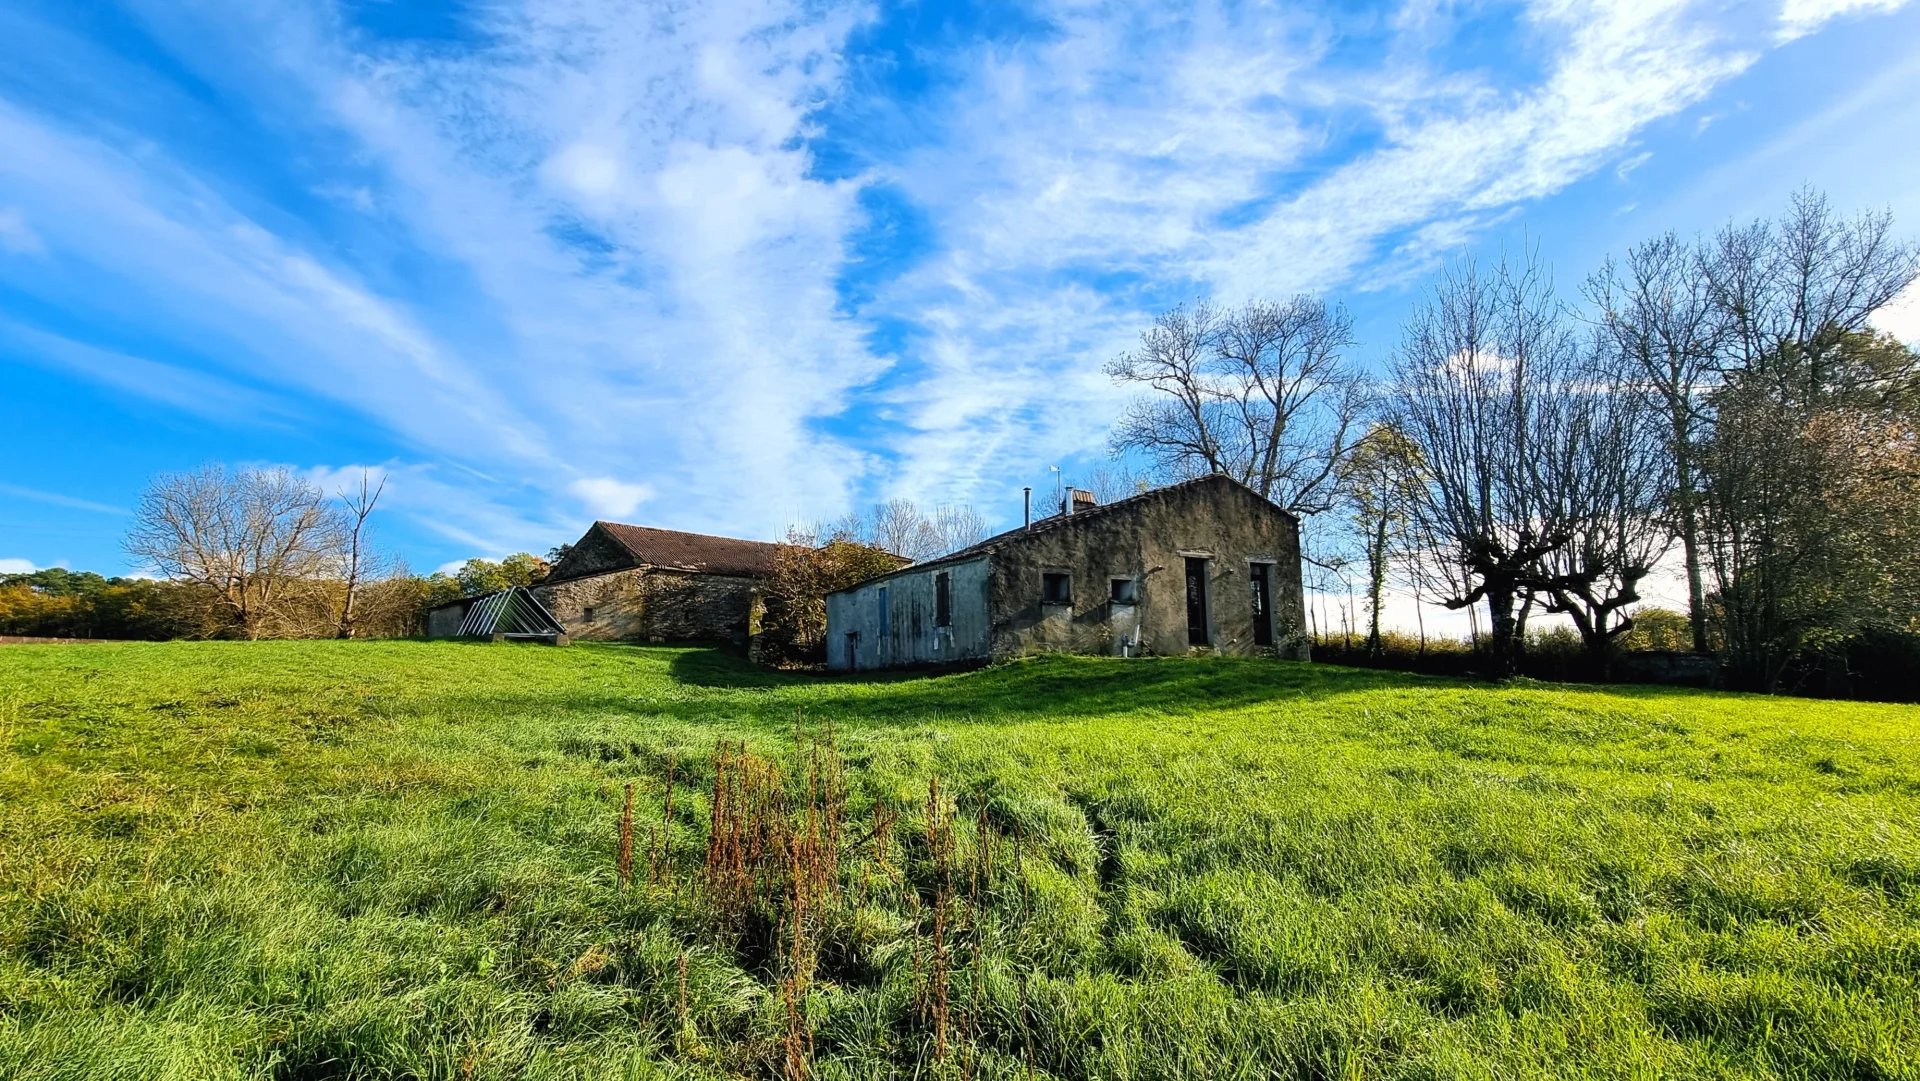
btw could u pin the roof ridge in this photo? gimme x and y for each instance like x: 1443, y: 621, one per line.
x: 684, y: 532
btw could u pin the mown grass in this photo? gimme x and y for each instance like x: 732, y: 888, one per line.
x: 383, y: 860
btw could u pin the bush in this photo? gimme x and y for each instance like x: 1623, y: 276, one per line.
x: 794, y: 630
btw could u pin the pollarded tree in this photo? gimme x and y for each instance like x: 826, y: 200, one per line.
x: 1603, y: 480
x: 256, y: 539
x: 1475, y: 389
x: 1262, y: 393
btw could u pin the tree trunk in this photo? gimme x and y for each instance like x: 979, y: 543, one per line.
x: 1690, y: 531
x: 1502, y: 638
x: 1600, y: 657
x: 1696, y: 591
x: 1376, y: 585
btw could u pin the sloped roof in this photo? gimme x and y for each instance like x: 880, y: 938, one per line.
x: 697, y: 552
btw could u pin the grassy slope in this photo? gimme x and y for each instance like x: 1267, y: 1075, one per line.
x: 394, y: 859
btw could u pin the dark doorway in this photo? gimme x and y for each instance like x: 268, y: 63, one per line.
x: 1196, y: 602
x: 1262, y: 604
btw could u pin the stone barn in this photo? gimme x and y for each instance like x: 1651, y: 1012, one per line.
x: 658, y: 585
x: 651, y: 585
x: 1206, y: 564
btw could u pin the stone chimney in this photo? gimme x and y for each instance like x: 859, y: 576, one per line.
x: 1078, y: 499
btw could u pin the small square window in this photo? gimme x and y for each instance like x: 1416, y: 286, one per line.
x: 586, y: 614
x: 1125, y: 591
x: 1056, y: 588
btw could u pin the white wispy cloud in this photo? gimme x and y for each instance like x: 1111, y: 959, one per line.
x: 661, y: 297
x: 59, y: 500
x: 1161, y: 150
x: 17, y: 566
x: 1798, y: 18
x: 1625, y: 169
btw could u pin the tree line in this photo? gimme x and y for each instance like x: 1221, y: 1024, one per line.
x: 1524, y: 452
x: 267, y: 553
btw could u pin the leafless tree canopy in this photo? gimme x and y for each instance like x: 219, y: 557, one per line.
x: 253, y: 537
x: 357, y: 560
x: 1474, y: 384
x: 1262, y: 393
x: 1661, y: 336
x: 1540, y: 478
x: 1788, y: 293
x: 1603, y: 480
x: 901, y: 527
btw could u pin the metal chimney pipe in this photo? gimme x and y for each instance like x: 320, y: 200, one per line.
x: 1027, y: 493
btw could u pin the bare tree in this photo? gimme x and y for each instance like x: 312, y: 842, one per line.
x: 956, y: 526
x: 899, y: 527
x: 254, y: 538
x: 1661, y: 335
x: 1789, y: 293
x: 356, y: 561
x: 1111, y: 481
x: 1602, y: 477
x: 1474, y: 381
x: 1262, y: 393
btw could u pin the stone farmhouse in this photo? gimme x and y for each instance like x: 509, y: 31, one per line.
x: 1205, y: 564
x: 637, y: 583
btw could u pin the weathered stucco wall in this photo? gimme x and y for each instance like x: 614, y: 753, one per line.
x: 651, y: 605
x: 1149, y: 541
x: 860, y: 637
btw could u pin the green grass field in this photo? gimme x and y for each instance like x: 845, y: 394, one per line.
x: 398, y: 860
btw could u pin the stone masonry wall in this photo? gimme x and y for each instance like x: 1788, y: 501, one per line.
x: 617, y: 603
x: 1149, y: 541
x: 651, y: 605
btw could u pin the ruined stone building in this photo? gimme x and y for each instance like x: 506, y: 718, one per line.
x: 636, y: 583
x: 1206, y: 564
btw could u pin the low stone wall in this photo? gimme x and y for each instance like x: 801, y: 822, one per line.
x: 29, y: 640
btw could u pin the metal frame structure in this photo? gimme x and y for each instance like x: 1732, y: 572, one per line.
x: 513, y: 612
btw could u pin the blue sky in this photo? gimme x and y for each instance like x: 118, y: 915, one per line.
x: 758, y: 262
